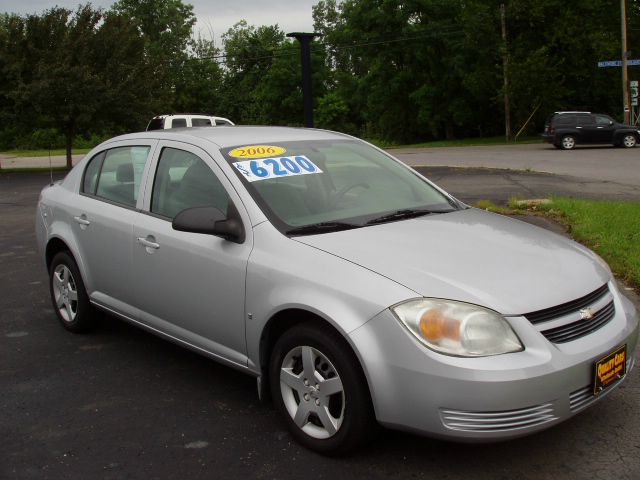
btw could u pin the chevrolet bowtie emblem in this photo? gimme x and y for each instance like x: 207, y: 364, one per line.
x: 586, y: 314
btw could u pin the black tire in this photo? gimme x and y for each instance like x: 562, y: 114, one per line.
x: 568, y: 142
x: 68, y: 295
x: 332, y: 357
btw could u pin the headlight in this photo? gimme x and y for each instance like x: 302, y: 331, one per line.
x: 456, y: 328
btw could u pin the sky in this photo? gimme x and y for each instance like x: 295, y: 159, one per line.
x: 215, y: 17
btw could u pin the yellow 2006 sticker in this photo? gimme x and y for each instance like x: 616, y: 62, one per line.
x: 256, y: 151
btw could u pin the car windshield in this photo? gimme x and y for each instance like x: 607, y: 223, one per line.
x: 320, y: 186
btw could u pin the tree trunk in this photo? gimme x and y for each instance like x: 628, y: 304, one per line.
x: 448, y: 131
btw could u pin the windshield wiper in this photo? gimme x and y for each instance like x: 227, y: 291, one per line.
x: 404, y: 213
x: 322, y: 227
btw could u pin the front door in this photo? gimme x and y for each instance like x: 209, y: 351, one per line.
x: 190, y: 286
x: 605, y: 129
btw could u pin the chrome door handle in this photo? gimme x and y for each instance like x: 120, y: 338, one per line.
x: 82, y: 220
x: 578, y: 127
x: 148, y: 243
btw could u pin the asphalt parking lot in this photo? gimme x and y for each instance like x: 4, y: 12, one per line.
x: 121, y: 403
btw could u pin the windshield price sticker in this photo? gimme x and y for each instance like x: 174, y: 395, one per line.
x: 610, y: 369
x: 263, y: 169
x: 256, y: 151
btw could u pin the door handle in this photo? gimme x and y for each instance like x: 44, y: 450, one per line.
x: 82, y: 221
x: 148, y: 243
x: 578, y: 127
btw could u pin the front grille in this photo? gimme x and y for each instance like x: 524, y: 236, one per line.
x: 580, y: 328
x: 568, y: 322
x: 567, y: 308
x: 487, y: 422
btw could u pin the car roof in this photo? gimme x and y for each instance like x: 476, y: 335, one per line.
x: 235, y: 135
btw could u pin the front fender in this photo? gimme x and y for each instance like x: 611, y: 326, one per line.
x: 284, y: 274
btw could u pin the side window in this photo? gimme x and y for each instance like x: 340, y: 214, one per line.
x: 565, y: 120
x: 121, y: 174
x: 90, y: 179
x: 200, y: 122
x: 178, y: 122
x: 183, y: 181
x: 585, y: 120
x: 602, y: 120
x: 222, y: 122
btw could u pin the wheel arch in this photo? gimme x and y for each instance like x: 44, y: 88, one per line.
x: 282, y: 321
x: 54, y: 246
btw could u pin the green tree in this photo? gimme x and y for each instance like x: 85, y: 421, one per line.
x: 263, y: 78
x: 166, y: 27
x: 198, y: 83
x: 60, y: 76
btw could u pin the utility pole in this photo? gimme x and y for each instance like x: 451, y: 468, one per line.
x: 305, y: 60
x: 505, y: 74
x: 625, y: 78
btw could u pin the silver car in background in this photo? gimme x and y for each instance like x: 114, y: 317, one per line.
x: 353, y: 289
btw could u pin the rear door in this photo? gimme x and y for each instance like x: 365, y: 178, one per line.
x: 103, y: 218
x: 587, y: 129
x: 190, y: 286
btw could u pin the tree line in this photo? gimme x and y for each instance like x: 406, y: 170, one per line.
x: 395, y: 70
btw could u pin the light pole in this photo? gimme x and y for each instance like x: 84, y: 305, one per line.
x: 305, y: 59
x: 625, y: 79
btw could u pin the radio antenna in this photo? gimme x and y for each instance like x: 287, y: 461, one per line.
x: 50, y: 166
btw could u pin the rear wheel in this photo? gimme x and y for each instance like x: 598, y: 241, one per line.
x: 629, y: 140
x: 70, y: 300
x: 568, y: 142
x: 319, y: 390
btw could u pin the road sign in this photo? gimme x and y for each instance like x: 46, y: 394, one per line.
x: 617, y: 63
x: 633, y: 87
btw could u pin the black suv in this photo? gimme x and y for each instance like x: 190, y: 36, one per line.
x: 566, y: 129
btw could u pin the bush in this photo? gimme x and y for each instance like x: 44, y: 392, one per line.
x: 43, y: 138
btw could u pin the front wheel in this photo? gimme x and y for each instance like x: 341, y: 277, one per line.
x: 319, y: 390
x: 69, y: 297
x: 629, y: 140
x: 568, y: 142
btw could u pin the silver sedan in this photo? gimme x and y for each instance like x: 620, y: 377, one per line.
x: 356, y: 291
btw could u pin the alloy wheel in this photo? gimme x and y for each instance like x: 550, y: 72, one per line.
x: 65, y: 293
x: 312, y: 392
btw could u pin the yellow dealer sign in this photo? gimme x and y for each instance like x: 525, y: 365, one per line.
x: 256, y: 151
x: 610, y: 369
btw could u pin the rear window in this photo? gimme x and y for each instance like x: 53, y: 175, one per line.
x: 156, y: 124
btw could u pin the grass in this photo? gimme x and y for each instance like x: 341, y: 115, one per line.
x: 42, y: 153
x: 467, y: 142
x: 610, y: 228
x: 32, y: 170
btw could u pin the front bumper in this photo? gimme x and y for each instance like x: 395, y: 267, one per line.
x: 488, y: 398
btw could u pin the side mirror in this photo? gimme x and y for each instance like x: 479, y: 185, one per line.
x: 211, y: 221
x: 610, y: 122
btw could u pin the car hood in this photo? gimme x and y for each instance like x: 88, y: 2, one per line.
x: 472, y: 256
